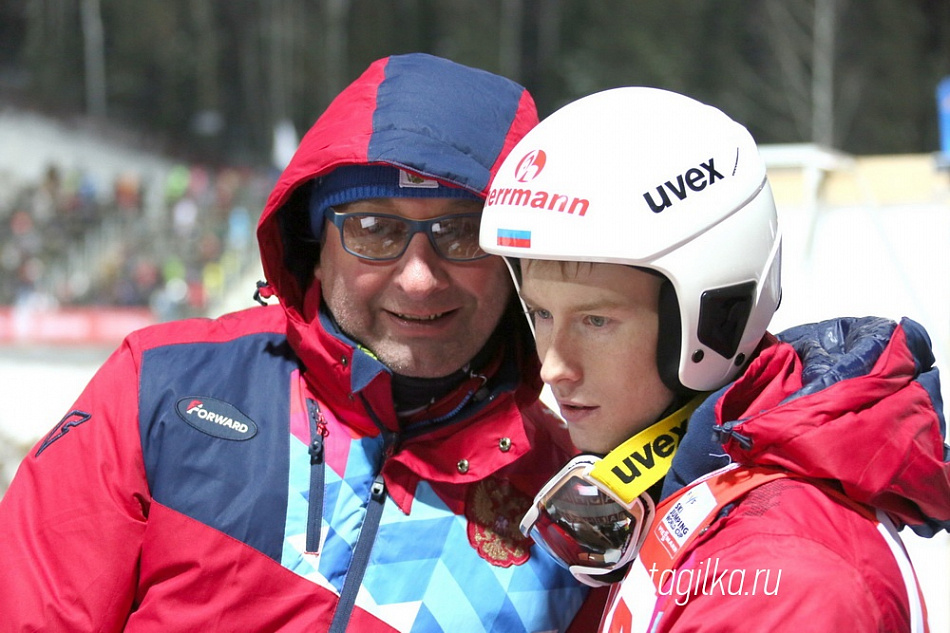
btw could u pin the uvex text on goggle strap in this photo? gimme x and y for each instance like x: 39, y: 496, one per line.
x: 382, y: 237
x: 593, y: 516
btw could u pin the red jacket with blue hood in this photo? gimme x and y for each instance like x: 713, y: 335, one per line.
x: 843, y: 422
x: 248, y: 473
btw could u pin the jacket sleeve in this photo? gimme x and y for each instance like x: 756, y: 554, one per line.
x: 73, y: 518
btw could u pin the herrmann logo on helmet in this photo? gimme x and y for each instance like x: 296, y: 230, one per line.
x: 216, y: 418
x: 695, y: 179
x: 538, y: 200
x: 527, y: 169
x: 530, y: 165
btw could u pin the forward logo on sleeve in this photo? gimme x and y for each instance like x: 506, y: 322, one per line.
x: 216, y: 418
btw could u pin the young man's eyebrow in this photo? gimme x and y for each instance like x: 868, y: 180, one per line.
x: 589, y: 306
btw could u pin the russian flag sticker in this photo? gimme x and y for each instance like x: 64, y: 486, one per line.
x: 510, y: 237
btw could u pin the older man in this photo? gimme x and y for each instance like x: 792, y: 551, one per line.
x: 356, y: 457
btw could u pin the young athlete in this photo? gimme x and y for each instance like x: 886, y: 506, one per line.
x: 729, y: 479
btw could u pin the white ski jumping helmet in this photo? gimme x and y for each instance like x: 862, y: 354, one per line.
x: 650, y: 178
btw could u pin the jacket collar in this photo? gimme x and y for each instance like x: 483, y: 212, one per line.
x: 484, y: 437
x: 849, y: 400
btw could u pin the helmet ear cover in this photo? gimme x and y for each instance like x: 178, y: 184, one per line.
x: 723, y: 315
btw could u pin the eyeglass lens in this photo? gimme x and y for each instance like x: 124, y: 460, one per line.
x: 384, y: 237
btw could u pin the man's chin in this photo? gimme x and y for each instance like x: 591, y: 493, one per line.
x: 586, y: 442
x: 434, y: 364
x: 424, y: 370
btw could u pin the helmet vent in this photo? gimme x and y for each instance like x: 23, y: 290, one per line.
x: 723, y: 314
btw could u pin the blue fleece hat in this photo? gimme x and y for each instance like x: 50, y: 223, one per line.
x: 350, y: 183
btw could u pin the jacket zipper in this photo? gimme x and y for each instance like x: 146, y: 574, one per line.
x: 370, y: 527
x: 360, y: 559
x: 318, y: 431
x: 364, y: 543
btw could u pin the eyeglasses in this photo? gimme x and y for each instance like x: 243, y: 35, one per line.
x: 584, y: 525
x: 382, y: 237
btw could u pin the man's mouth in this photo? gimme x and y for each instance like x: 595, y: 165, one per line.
x: 419, y: 318
x: 573, y: 408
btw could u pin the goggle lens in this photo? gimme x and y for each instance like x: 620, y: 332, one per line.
x: 579, y: 525
x: 583, y: 525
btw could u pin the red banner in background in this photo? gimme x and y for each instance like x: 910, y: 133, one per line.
x: 71, y: 326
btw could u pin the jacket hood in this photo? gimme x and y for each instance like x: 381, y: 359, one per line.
x: 855, y: 401
x: 436, y: 119
x: 421, y: 113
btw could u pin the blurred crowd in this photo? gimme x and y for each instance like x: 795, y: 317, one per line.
x: 66, y: 241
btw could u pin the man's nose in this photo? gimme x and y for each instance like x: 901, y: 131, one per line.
x: 558, y: 361
x: 421, y: 269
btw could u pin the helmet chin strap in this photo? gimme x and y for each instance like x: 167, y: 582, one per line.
x: 669, y: 340
x: 515, y: 271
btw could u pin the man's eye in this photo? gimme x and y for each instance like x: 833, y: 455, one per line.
x: 597, y: 321
x: 375, y: 226
x: 538, y: 314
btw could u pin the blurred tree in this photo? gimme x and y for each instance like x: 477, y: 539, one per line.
x: 845, y: 71
x: 94, y: 57
x: 214, y: 78
x: 52, y: 54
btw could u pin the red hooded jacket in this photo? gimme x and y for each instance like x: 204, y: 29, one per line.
x: 843, y: 422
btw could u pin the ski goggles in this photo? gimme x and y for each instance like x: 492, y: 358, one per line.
x: 584, y: 525
x: 381, y: 237
x: 594, y: 515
